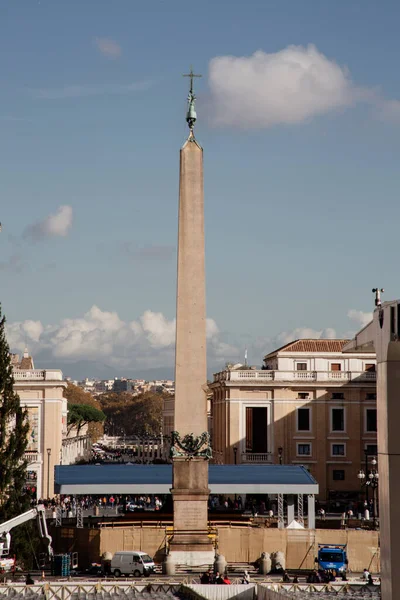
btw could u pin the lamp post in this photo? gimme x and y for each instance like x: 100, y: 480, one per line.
x: 280, y: 453
x: 48, y: 472
x: 235, y: 454
x: 370, y: 478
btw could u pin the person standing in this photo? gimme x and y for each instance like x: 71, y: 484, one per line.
x: 205, y: 578
x: 246, y: 578
x: 218, y: 579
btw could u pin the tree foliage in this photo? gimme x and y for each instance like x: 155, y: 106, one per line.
x: 76, y: 395
x: 80, y: 415
x: 14, y: 428
x: 133, y: 415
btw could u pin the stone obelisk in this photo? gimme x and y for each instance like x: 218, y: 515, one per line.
x: 190, y: 447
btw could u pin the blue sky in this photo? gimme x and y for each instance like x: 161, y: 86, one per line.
x: 301, y: 171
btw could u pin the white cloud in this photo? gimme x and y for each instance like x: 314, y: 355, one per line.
x: 360, y: 317
x: 108, y: 47
x: 145, y: 343
x: 82, y: 90
x: 102, y: 336
x: 259, y: 347
x: 289, y: 86
x: 54, y: 225
x: 33, y: 330
x: 302, y: 333
x: 160, y: 332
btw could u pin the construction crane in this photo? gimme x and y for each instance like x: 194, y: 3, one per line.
x: 39, y: 513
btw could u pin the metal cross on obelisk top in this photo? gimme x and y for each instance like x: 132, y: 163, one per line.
x: 191, y: 75
x: 191, y: 115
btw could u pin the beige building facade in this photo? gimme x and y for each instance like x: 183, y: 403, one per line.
x: 41, y: 392
x: 311, y: 404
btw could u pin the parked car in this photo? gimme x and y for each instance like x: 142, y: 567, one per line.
x: 134, y: 563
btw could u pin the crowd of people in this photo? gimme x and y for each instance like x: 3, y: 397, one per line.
x: 126, y: 503
x: 102, y: 454
x: 330, y: 575
x: 251, y: 505
x: 327, y: 576
x: 209, y: 577
x: 129, y: 503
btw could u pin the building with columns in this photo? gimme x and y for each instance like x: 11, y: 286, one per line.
x: 41, y: 392
x: 310, y: 404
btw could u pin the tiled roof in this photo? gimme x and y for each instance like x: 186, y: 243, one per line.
x: 311, y: 346
x: 26, y: 363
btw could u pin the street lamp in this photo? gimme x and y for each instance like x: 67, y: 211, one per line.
x: 280, y: 453
x: 370, y: 478
x: 48, y: 472
x: 235, y: 454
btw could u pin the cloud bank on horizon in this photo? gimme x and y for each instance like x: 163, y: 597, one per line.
x: 143, y: 343
x: 102, y: 335
x: 290, y: 86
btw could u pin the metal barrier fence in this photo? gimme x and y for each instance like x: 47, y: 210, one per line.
x: 128, y: 590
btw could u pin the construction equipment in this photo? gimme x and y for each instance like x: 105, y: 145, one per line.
x: 39, y: 513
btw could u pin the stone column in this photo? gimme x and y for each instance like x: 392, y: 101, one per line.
x: 190, y: 544
x: 389, y: 469
x: 311, y: 511
x: 382, y: 335
x: 290, y: 508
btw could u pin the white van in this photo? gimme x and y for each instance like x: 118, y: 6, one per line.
x: 131, y: 563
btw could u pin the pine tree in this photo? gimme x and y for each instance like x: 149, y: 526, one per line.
x: 14, y: 427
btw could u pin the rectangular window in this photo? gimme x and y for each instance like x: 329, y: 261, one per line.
x: 303, y: 419
x: 370, y: 418
x: 337, y: 396
x: 370, y: 396
x: 338, y: 475
x: 336, y: 367
x: 338, y: 450
x: 303, y: 449
x: 370, y: 367
x: 300, y: 366
x: 303, y: 395
x: 337, y: 419
x: 372, y: 449
x: 249, y: 429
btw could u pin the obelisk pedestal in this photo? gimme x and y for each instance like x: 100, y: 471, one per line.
x: 190, y: 544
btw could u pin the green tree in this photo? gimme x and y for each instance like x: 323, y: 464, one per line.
x: 80, y: 415
x: 133, y: 415
x: 14, y: 427
x: 76, y: 395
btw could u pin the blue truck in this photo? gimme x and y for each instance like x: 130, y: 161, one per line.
x: 332, y: 557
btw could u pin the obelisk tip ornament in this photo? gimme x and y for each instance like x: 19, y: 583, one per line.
x: 191, y: 115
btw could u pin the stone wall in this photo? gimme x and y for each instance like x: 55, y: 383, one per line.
x: 245, y: 544
x: 237, y: 544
